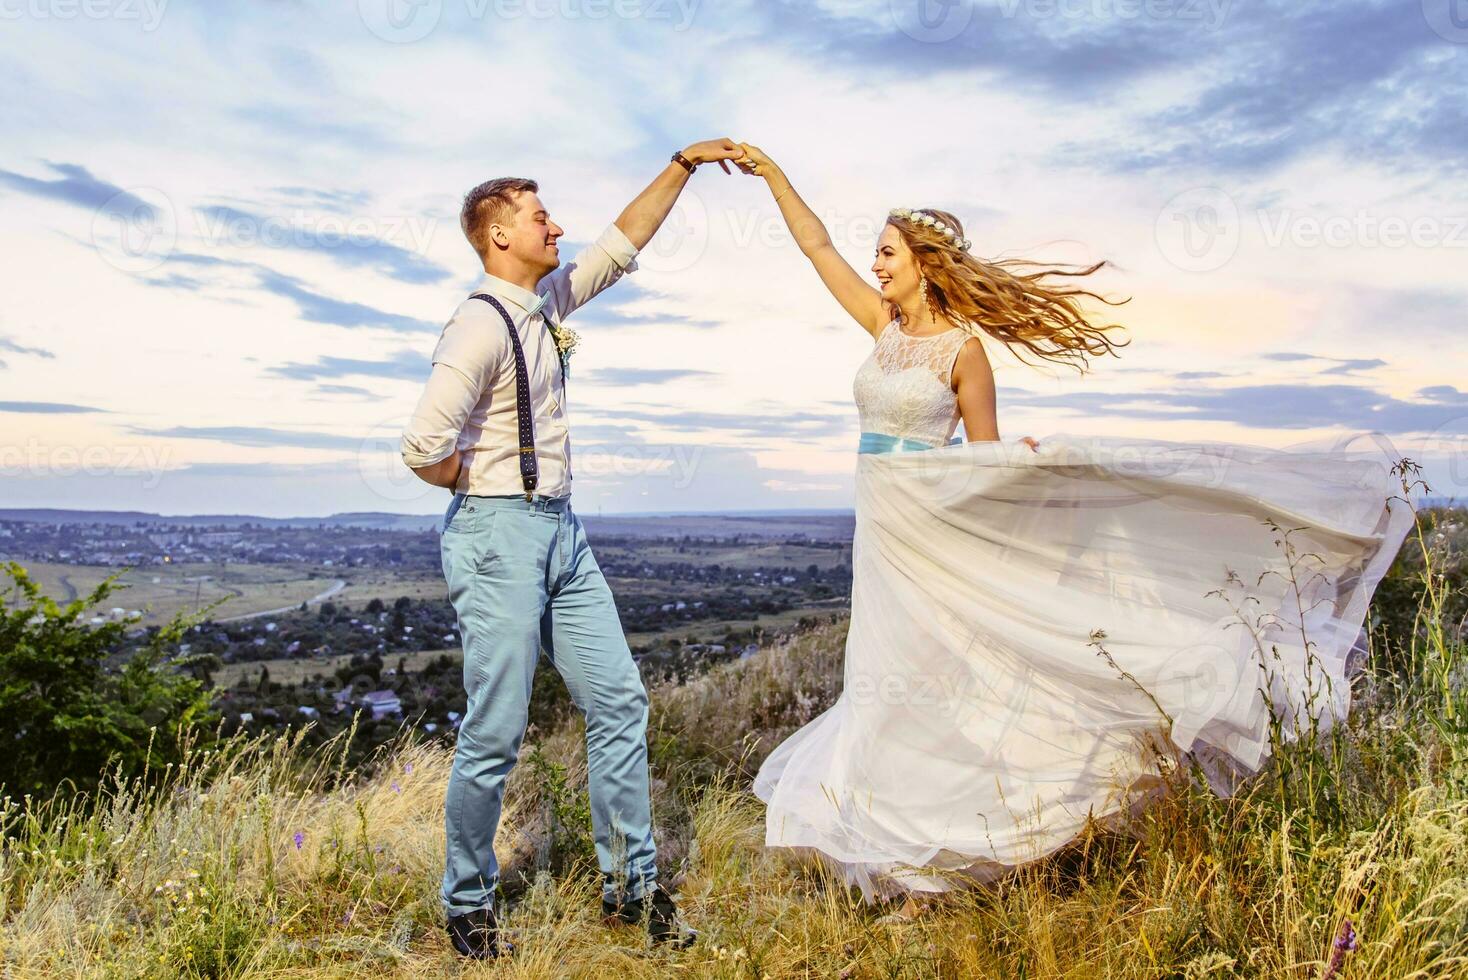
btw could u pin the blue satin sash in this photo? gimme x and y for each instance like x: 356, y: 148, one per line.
x: 881, y: 442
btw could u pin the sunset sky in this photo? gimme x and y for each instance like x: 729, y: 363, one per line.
x: 231, y: 235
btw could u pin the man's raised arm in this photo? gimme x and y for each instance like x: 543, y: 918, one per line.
x: 602, y: 263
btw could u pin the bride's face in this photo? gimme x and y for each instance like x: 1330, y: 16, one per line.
x: 895, y: 268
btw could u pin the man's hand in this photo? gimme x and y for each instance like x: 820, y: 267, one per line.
x: 711, y: 151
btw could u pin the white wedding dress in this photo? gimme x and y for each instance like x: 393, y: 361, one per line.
x: 1029, y: 628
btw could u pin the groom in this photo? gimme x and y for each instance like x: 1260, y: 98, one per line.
x: 492, y: 426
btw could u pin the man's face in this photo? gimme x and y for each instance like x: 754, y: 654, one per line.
x: 532, y: 234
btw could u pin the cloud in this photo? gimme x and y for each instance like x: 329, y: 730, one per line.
x: 351, y: 391
x: 79, y: 187
x: 677, y: 477
x: 1339, y: 365
x: 255, y: 437
x: 640, y: 376
x: 1438, y: 311
x: 786, y: 425
x: 46, y: 408
x: 337, y: 201
x: 317, y: 308
x: 611, y: 309
x: 315, y: 125
x: 7, y: 344
x: 405, y: 365
x: 1280, y: 406
x: 1353, y: 365
x: 1288, y: 78
x: 330, y: 238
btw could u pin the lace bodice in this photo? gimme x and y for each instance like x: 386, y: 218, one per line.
x: 905, y: 387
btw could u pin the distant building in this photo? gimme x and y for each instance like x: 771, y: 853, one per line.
x: 382, y: 704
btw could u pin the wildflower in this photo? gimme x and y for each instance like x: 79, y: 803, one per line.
x: 408, y: 769
x: 300, y: 839
x: 1345, y: 942
x: 395, y: 787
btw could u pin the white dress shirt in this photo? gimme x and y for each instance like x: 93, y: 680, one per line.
x: 469, y: 402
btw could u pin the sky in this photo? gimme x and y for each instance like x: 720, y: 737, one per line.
x: 231, y: 237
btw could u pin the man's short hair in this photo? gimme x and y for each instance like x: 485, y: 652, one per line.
x: 492, y: 202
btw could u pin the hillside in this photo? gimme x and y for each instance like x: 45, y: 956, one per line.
x: 265, y: 859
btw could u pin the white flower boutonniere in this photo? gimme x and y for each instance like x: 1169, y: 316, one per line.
x: 566, y: 340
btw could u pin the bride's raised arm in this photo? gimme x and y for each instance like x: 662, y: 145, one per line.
x: 857, y: 296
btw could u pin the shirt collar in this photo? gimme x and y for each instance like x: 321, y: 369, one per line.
x: 530, y: 302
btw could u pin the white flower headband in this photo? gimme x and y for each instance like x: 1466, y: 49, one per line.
x: 924, y: 218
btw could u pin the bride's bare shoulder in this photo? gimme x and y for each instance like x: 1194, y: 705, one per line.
x: 970, y: 360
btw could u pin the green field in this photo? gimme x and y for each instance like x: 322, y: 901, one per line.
x: 161, y: 591
x: 297, y: 670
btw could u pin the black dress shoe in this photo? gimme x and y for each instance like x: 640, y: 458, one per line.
x: 656, y: 906
x: 476, y: 935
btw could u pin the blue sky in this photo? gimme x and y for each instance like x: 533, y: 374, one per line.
x: 231, y: 234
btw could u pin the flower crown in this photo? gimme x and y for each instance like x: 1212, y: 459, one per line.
x: 924, y: 218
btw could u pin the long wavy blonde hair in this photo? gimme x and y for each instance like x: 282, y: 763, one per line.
x: 1014, y: 301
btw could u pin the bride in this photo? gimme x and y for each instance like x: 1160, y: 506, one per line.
x: 1035, y: 625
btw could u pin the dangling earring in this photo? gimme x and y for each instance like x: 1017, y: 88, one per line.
x: 927, y: 301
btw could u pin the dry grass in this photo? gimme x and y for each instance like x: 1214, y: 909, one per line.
x: 265, y: 860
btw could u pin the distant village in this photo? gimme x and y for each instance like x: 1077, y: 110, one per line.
x: 687, y: 602
x: 141, y: 544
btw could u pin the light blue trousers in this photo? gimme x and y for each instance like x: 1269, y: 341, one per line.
x: 521, y: 577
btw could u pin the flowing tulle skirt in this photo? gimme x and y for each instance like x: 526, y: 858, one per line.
x: 1030, y: 630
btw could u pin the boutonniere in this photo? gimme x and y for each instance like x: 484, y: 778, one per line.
x: 566, y: 340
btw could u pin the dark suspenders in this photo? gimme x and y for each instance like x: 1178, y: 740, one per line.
x: 529, y: 473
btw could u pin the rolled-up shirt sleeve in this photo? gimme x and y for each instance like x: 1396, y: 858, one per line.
x: 432, y: 433
x: 591, y: 270
x: 464, y: 364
